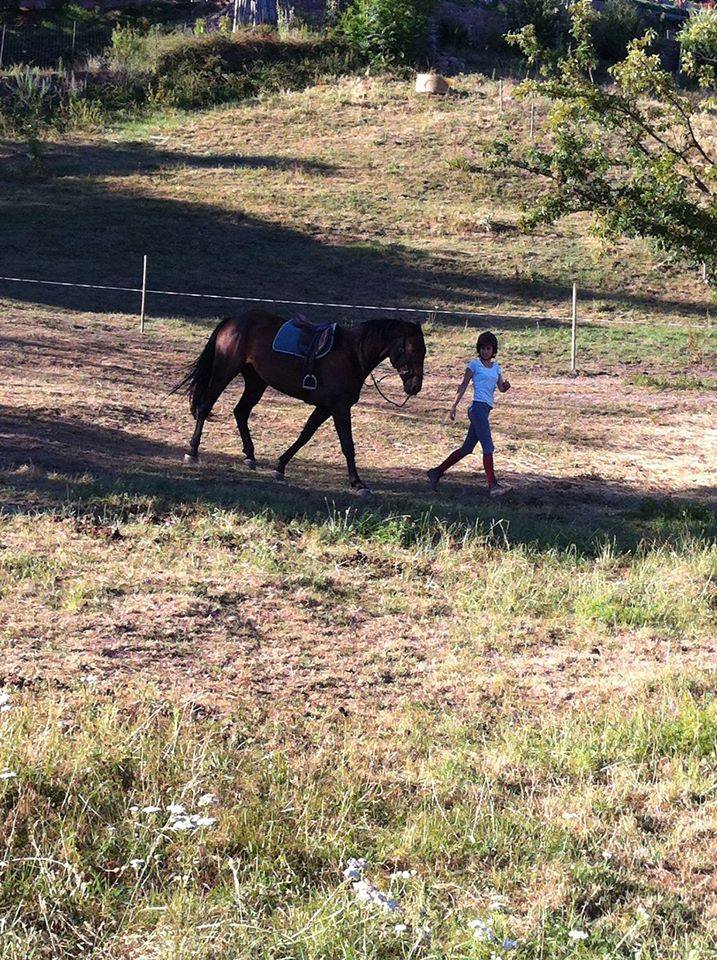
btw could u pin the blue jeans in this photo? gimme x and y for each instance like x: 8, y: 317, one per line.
x: 479, y: 430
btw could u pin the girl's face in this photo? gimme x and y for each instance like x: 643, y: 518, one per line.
x: 486, y: 352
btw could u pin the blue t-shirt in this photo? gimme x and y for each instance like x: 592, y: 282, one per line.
x: 485, y: 380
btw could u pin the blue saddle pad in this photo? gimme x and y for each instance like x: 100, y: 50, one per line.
x: 298, y: 341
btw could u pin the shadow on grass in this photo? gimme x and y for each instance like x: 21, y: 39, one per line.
x: 82, y: 230
x: 51, y: 465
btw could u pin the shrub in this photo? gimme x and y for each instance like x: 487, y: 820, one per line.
x: 549, y: 17
x: 699, y: 37
x: 199, y: 71
x: 614, y: 27
x: 388, y: 31
x: 132, y: 52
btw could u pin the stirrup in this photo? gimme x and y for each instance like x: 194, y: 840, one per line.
x: 310, y: 382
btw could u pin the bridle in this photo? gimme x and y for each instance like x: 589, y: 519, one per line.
x: 401, y: 371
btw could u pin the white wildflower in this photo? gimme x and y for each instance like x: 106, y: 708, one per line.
x: 203, y: 821
x: 151, y: 809
x: 400, y: 928
x: 367, y: 893
x: 577, y: 935
x: 181, y: 823
x: 7, y: 774
x: 176, y: 809
x: 481, y: 930
x: 190, y: 821
x: 355, y: 868
x: 5, y: 704
x: 403, y: 874
x: 570, y: 816
x: 206, y: 800
x: 136, y: 864
x: 134, y: 809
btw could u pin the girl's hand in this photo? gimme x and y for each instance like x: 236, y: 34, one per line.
x: 505, y: 386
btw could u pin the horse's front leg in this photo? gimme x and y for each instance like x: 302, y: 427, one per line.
x: 320, y: 415
x: 342, y: 422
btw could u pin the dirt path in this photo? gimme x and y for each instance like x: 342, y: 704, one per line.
x: 85, y: 395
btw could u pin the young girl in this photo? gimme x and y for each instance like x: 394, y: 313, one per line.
x: 486, y: 376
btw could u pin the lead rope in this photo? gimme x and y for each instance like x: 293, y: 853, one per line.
x: 388, y: 399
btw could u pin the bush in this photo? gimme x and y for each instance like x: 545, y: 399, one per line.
x: 614, y: 27
x: 549, y: 17
x: 388, y: 31
x: 32, y: 101
x: 129, y: 52
x: 200, y: 71
x: 699, y: 37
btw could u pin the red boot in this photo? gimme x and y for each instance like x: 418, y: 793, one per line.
x: 495, y: 489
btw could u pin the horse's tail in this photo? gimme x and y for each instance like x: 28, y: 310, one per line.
x: 199, y: 376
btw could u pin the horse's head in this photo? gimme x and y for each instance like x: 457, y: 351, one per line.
x: 407, y: 354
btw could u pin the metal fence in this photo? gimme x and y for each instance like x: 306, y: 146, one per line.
x: 47, y: 46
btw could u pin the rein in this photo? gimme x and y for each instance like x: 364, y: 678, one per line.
x: 388, y: 399
x: 393, y: 403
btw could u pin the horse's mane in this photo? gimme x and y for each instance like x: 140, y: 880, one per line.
x: 377, y: 326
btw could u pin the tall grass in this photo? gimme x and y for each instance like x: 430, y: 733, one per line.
x: 536, y: 827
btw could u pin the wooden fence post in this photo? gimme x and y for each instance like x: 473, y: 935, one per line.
x: 144, y: 294
x: 574, y: 337
x: 2, y: 44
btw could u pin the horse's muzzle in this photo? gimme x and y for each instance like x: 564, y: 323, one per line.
x: 412, y: 385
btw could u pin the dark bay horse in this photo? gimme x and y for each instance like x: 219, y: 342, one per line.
x: 244, y: 345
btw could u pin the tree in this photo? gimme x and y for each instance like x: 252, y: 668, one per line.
x: 633, y: 153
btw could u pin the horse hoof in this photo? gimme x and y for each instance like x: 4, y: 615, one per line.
x: 191, y: 458
x: 364, y: 493
x: 279, y: 476
x: 250, y: 463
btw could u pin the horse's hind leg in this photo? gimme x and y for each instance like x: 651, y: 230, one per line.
x: 254, y: 388
x: 319, y: 416
x: 213, y: 371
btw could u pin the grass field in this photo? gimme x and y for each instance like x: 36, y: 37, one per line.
x: 507, y: 708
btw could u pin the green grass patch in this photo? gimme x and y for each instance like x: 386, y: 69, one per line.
x: 493, y: 817
x: 677, y: 382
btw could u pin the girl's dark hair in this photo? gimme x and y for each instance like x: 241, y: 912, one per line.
x: 490, y: 339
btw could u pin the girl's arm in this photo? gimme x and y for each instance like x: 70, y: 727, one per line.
x: 503, y: 385
x: 461, y: 390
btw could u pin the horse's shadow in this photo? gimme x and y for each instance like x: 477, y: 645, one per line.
x: 45, y: 459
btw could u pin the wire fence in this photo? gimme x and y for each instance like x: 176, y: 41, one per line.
x: 48, y: 46
x: 145, y: 291
x: 66, y: 42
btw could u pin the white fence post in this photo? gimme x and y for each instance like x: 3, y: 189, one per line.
x: 2, y: 44
x: 144, y: 294
x: 574, y: 338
